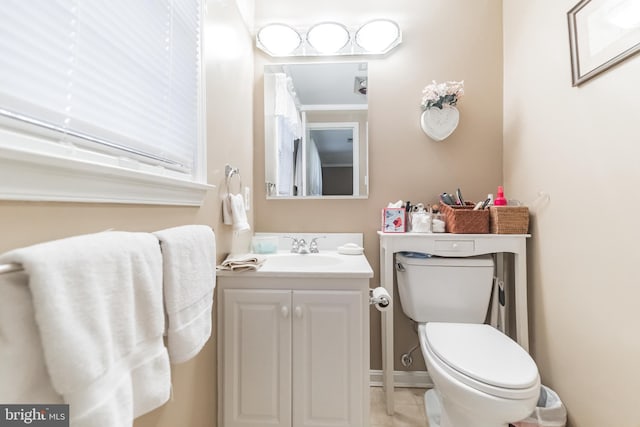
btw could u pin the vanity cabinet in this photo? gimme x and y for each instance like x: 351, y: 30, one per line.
x: 293, y: 353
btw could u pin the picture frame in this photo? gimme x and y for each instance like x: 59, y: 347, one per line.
x: 602, y: 33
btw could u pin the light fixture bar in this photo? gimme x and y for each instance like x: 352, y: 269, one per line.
x: 376, y: 37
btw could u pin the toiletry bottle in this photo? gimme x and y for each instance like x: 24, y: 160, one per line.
x: 500, y: 200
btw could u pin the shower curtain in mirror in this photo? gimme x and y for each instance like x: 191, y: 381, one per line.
x: 288, y: 129
x: 313, y: 169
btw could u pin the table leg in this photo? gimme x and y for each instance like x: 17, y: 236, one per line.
x: 386, y: 272
x: 520, y: 280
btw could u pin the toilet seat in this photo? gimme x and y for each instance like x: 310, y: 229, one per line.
x: 483, y: 358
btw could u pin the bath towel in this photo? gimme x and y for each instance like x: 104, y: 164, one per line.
x: 247, y: 262
x: 189, y: 259
x: 97, y: 304
x: 23, y: 373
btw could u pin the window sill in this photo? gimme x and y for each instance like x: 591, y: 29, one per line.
x: 30, y: 176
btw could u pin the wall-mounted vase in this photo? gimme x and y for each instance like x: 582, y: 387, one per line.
x: 438, y: 123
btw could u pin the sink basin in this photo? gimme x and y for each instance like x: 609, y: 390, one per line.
x: 296, y: 261
x: 319, y: 266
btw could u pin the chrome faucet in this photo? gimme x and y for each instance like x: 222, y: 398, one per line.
x: 295, y: 244
x: 313, y: 246
x: 300, y: 246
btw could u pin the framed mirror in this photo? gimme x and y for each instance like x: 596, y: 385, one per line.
x: 316, y: 130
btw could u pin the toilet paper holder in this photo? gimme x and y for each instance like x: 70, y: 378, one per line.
x: 379, y: 297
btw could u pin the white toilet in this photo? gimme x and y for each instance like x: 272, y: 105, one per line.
x: 482, y: 377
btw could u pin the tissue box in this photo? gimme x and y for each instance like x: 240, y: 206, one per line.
x: 394, y: 220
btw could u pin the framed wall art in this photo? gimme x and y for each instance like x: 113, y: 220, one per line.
x: 602, y: 33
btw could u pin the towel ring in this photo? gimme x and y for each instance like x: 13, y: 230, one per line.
x: 229, y: 173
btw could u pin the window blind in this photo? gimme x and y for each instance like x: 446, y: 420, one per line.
x: 119, y: 77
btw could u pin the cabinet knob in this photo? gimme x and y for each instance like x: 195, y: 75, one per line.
x: 455, y: 245
x: 285, y: 311
x: 298, y: 312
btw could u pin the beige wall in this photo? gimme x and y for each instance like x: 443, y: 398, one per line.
x: 580, y: 145
x: 443, y: 40
x: 229, y: 70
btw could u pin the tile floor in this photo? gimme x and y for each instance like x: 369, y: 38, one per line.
x: 409, y: 408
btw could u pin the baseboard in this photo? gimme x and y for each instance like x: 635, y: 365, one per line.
x: 417, y: 379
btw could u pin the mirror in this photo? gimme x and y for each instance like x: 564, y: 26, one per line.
x: 315, y: 117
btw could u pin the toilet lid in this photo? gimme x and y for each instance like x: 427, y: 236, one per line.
x: 482, y: 353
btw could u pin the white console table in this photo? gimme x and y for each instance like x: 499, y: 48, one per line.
x: 451, y: 245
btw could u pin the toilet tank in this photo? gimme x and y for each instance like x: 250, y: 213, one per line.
x: 440, y: 289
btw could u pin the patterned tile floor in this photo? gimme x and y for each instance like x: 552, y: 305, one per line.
x: 409, y: 408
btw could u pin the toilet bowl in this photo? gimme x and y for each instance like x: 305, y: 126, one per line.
x: 484, y: 379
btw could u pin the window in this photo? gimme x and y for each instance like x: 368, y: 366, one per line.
x: 102, y: 101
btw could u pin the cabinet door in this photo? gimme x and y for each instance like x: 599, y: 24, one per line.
x: 257, y: 358
x: 328, y: 359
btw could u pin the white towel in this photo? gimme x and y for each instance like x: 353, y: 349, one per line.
x: 238, y: 212
x: 97, y: 301
x: 247, y: 262
x: 23, y: 373
x: 189, y: 254
x: 227, y: 215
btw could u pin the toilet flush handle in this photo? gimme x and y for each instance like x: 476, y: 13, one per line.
x: 400, y: 267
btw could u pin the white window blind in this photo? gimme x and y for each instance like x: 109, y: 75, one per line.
x: 117, y: 82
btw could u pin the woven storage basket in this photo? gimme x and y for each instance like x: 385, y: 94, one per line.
x: 509, y: 219
x: 464, y: 220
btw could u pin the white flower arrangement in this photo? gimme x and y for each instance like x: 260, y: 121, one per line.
x: 441, y: 94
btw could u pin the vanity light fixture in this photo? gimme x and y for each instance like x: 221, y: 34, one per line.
x: 378, y: 36
x: 278, y: 39
x: 329, y: 38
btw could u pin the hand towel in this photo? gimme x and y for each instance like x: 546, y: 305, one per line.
x: 239, y: 214
x: 189, y: 257
x: 97, y: 304
x: 247, y: 262
x: 227, y: 216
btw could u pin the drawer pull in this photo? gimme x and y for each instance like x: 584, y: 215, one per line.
x: 285, y: 311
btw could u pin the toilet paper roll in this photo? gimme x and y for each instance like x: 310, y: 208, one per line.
x: 381, y: 299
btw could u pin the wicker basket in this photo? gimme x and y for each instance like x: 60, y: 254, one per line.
x: 464, y: 220
x: 509, y: 219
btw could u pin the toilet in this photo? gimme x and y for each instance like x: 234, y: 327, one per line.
x: 482, y: 377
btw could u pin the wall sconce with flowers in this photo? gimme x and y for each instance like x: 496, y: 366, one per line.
x: 440, y: 116
x: 329, y: 38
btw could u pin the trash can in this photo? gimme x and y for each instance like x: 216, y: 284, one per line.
x: 549, y: 411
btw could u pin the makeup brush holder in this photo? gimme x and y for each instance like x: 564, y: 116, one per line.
x: 464, y: 220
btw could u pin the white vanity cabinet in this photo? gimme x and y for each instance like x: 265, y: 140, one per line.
x: 292, y: 351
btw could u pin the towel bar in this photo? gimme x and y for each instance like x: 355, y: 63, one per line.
x: 10, y: 268
x: 229, y: 173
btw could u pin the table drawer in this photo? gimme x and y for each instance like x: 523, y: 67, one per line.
x: 455, y: 245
